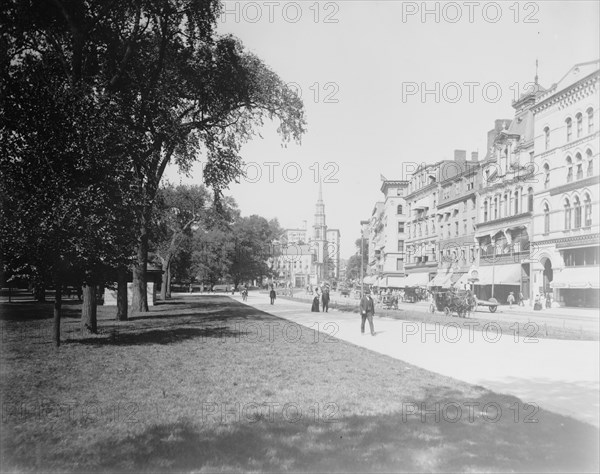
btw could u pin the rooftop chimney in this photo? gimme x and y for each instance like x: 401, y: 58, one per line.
x: 460, y: 156
x: 474, y: 156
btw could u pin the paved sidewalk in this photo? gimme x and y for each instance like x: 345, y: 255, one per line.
x: 561, y: 376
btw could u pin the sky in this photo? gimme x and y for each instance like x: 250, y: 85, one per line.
x: 386, y: 84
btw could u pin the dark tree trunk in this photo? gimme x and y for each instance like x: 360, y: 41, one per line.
x: 40, y: 292
x: 139, y: 301
x: 169, y: 281
x: 88, y: 309
x: 122, y: 294
x: 56, y: 323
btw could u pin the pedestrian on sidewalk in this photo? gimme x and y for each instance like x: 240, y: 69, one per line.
x: 315, y: 304
x: 511, y: 299
x: 325, y: 300
x: 521, y: 299
x: 548, y: 300
x: 272, y: 294
x: 367, y: 311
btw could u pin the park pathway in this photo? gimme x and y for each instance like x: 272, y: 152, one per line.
x: 558, y: 375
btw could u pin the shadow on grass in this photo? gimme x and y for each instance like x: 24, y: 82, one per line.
x: 398, y: 442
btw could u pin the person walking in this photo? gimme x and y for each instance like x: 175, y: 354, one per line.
x: 325, y: 300
x: 511, y: 299
x: 521, y: 299
x: 548, y: 300
x: 315, y: 304
x: 272, y: 295
x: 367, y: 311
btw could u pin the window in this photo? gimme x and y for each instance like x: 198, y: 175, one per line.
x: 587, y: 210
x: 590, y: 163
x: 546, y: 219
x: 399, y: 209
x: 473, y: 206
x: 579, y: 119
x: 465, y: 227
x: 569, y: 169
x: 399, y: 264
x: 495, y: 208
x: 577, y: 219
x: 546, y: 175
x: 590, y: 117
x: 530, y: 199
x: 547, y: 137
x: 569, y: 123
x: 401, y: 246
x: 505, y: 213
x: 579, y: 164
x: 456, y: 229
x: 400, y: 227
x: 473, y: 223
x: 516, y: 202
x: 567, y: 215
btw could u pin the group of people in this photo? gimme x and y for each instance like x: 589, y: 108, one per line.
x: 321, y: 296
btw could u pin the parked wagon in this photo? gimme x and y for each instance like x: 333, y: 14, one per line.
x: 389, y: 302
x: 451, y: 301
x: 492, y: 304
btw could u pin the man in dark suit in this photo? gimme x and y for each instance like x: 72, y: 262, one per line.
x: 367, y: 311
x: 325, y: 300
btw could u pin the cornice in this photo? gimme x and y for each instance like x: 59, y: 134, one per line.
x: 578, y: 184
x: 589, y: 81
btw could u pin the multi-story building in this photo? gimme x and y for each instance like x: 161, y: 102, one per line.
x: 333, y: 253
x: 456, y: 220
x: 565, y: 211
x: 420, y: 262
x: 504, y: 226
x: 376, y: 239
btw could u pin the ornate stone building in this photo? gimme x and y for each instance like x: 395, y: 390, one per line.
x: 565, y: 208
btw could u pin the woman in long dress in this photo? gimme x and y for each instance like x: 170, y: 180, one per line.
x: 315, y: 303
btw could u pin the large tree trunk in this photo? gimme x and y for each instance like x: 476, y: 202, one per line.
x: 57, y: 306
x: 169, y: 281
x: 122, y: 294
x: 139, y: 301
x: 165, y: 290
x: 89, y: 309
x: 40, y: 292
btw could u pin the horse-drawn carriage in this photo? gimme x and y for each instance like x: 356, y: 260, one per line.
x: 452, y: 300
x: 389, y: 302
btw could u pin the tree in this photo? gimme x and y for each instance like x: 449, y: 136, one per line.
x: 178, y: 210
x: 353, y: 269
x: 178, y: 90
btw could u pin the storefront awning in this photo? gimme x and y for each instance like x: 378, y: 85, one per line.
x: 396, y: 282
x: 500, y: 274
x: 576, y: 277
x: 460, y: 280
x: 369, y: 280
x: 416, y: 279
x: 442, y: 279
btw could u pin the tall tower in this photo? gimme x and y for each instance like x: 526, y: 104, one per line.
x: 320, y: 238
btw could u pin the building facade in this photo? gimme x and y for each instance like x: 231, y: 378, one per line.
x: 565, y: 260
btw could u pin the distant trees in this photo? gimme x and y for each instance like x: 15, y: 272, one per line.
x: 353, y: 268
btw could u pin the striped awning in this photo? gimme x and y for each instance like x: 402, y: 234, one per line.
x: 576, y: 277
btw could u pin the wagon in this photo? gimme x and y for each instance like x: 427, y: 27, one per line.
x: 451, y: 301
x: 492, y: 304
x: 389, y: 302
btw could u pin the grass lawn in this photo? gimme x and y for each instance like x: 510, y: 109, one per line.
x: 191, y: 386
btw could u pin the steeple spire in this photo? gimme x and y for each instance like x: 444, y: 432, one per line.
x: 320, y: 192
x: 536, y: 72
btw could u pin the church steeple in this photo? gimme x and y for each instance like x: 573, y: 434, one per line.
x: 320, y: 236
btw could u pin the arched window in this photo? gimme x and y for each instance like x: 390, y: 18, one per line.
x: 546, y: 219
x: 495, y: 208
x: 530, y: 199
x: 587, y: 210
x: 569, y: 169
x: 546, y: 175
x: 590, y: 163
x: 569, y: 123
x: 505, y: 210
x: 485, y: 211
x: 399, y: 209
x: 516, y: 202
x: 579, y: 119
x: 567, y: 215
x: 577, y: 206
x: 579, y: 165
x: 547, y: 137
x: 590, y: 117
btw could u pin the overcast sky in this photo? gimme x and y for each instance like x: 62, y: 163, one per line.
x: 361, y: 67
